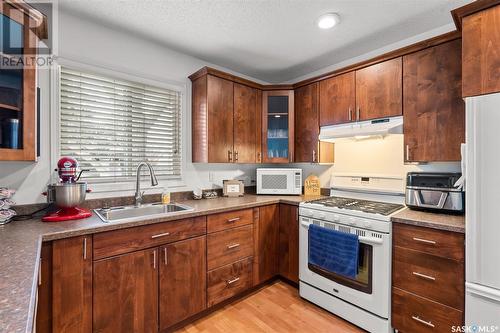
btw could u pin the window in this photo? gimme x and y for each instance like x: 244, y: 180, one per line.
x: 111, y: 125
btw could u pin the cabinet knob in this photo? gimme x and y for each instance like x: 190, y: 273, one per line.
x: 358, y: 113
x: 236, y: 156
x: 314, y: 156
x: 230, y: 155
x: 349, y: 114
x: 407, y: 152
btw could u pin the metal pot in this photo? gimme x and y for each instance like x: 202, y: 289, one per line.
x: 67, y: 195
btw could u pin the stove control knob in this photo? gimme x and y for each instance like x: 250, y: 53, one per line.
x: 367, y: 224
x: 351, y: 221
x: 309, y: 212
x: 335, y: 218
x: 321, y: 216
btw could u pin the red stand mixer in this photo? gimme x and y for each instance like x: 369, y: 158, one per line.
x: 68, y: 193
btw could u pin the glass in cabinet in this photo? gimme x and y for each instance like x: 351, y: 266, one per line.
x: 278, y: 126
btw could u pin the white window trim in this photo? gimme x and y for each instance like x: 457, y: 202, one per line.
x: 102, y: 189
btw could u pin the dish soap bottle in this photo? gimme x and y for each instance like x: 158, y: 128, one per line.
x: 165, y: 197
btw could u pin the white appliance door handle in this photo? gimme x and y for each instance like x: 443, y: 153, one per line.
x: 371, y: 240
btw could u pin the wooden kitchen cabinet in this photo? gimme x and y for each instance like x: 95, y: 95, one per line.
x: 18, y: 93
x: 337, y: 99
x: 379, y: 90
x: 246, y: 100
x: 481, y: 52
x: 434, y: 111
x: 288, y: 244
x: 226, y: 120
x: 307, y: 145
x: 126, y: 293
x: 428, y: 279
x: 182, y: 280
x: 278, y: 126
x: 266, y: 238
x: 212, y: 118
x: 44, y: 308
x: 72, y: 285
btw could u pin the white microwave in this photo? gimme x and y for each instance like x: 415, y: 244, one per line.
x: 279, y: 181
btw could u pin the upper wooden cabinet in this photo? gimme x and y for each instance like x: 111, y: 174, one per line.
x: 307, y: 146
x: 278, y: 126
x: 337, y: 99
x: 434, y: 116
x: 481, y: 52
x: 225, y: 116
x: 379, y: 90
x: 17, y: 85
x: 245, y: 128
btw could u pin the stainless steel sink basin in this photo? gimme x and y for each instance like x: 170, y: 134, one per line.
x: 131, y: 213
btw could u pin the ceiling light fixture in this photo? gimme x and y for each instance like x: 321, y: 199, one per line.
x: 328, y: 21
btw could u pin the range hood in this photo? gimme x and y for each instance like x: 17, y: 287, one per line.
x: 362, y: 129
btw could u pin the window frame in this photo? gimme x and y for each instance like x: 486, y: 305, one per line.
x: 109, y: 187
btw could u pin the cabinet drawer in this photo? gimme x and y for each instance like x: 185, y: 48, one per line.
x: 411, y: 313
x: 439, y: 279
x: 222, y: 221
x: 440, y: 243
x: 225, y: 247
x: 228, y: 281
x: 111, y: 243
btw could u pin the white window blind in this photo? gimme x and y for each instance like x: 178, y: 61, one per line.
x: 111, y: 125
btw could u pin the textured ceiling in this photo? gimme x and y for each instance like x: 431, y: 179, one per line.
x: 271, y: 40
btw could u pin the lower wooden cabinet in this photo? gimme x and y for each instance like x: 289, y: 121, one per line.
x: 72, y: 285
x: 182, y: 287
x: 288, y: 247
x: 126, y: 293
x: 266, y: 232
x: 228, y: 281
x: 428, y: 279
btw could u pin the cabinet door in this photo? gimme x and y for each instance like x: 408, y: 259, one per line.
x: 278, y: 126
x: 434, y: 117
x: 307, y: 123
x: 481, y: 52
x: 245, y: 115
x: 126, y: 293
x: 266, y: 244
x: 288, y: 250
x: 44, y: 308
x: 379, y: 90
x: 337, y: 99
x: 220, y: 120
x: 183, y: 285
x: 17, y: 87
x: 72, y: 285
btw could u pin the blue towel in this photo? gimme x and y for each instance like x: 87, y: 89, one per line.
x: 334, y: 251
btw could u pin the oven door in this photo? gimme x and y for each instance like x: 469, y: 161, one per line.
x: 370, y: 289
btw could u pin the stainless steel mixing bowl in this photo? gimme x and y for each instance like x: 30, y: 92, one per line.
x: 67, y: 195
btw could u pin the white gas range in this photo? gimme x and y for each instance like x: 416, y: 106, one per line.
x: 363, y: 206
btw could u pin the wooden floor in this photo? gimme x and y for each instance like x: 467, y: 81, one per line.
x: 274, y: 308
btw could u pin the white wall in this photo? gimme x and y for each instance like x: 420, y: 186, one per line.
x: 90, y: 43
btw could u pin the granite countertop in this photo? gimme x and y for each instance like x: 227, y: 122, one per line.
x: 448, y: 222
x: 20, y: 246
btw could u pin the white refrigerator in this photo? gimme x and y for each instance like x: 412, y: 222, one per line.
x: 482, y: 231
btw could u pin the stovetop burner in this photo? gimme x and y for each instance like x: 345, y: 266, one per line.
x: 366, y: 206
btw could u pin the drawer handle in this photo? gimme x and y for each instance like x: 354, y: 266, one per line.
x: 160, y: 235
x: 428, y: 323
x: 423, y: 276
x: 424, y: 240
x: 229, y: 282
x: 233, y: 246
x: 233, y: 220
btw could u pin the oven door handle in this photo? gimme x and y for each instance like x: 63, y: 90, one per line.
x: 362, y: 239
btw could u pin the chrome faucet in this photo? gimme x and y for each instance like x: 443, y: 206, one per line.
x: 154, y: 182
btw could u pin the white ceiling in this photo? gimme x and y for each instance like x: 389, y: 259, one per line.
x: 271, y: 40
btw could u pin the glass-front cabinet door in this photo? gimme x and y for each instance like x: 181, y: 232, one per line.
x: 17, y: 87
x: 278, y: 126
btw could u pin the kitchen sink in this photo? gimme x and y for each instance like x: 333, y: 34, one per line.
x: 131, y: 213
